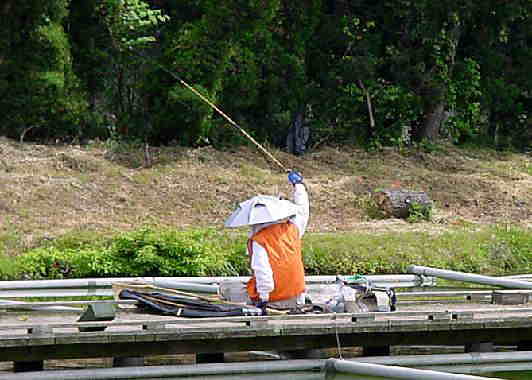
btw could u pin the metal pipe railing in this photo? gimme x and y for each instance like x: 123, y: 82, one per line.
x: 270, y: 368
x: 51, y: 308
x: 296, y: 369
x: 399, y: 280
x: 336, y: 366
x: 469, y: 277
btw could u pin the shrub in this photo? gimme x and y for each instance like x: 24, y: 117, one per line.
x: 145, y: 252
x: 207, y: 252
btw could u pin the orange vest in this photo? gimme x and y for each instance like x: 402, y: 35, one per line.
x: 283, y: 245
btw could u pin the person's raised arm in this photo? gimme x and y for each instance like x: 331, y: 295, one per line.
x: 301, y: 200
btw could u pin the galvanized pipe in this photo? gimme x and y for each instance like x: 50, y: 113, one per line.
x: 523, y: 277
x: 448, y: 359
x: 47, y: 293
x: 162, y: 282
x: 55, y: 305
x: 26, y: 305
x: 402, y: 279
x: 271, y: 368
x: 477, y: 362
x: 469, y: 277
x: 482, y: 368
x: 334, y: 366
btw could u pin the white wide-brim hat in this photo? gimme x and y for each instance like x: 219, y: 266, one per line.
x: 261, y: 209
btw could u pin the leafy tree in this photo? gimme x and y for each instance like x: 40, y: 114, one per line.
x: 38, y: 89
x: 130, y: 25
x: 499, y: 39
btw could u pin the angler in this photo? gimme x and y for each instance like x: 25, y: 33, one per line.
x: 274, y: 247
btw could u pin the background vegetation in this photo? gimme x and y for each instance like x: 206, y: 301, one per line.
x: 405, y: 74
x: 358, y: 72
x: 206, y: 252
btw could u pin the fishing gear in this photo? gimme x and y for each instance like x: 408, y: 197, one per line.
x: 223, y: 114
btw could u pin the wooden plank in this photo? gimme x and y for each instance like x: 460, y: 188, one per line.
x: 83, y: 338
x: 321, y: 318
x: 122, y: 337
x: 14, y: 341
x: 207, y: 323
x: 291, y: 337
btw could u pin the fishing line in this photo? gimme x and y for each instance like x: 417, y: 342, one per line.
x: 223, y: 114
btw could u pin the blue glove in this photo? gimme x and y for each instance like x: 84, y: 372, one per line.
x: 294, y: 177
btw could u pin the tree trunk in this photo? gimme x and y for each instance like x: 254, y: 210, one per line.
x: 400, y: 203
x: 430, y: 129
x: 371, y: 127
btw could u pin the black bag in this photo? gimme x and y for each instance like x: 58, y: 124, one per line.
x: 163, y: 304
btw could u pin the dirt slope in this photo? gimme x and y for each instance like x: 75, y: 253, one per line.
x: 46, y: 191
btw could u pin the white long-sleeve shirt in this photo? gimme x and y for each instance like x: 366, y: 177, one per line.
x: 260, y: 263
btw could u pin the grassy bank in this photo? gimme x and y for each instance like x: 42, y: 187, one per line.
x: 495, y: 250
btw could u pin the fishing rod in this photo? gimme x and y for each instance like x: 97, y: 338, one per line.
x: 224, y: 115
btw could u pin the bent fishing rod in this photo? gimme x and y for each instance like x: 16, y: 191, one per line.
x: 213, y: 106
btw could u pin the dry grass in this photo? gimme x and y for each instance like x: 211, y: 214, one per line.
x: 52, y: 190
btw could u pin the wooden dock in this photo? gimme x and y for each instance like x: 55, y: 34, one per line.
x: 24, y: 337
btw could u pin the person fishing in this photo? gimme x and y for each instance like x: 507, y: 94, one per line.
x: 274, y: 246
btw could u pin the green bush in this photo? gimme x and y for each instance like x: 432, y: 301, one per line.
x: 145, y: 252
x: 207, y: 252
x: 495, y: 251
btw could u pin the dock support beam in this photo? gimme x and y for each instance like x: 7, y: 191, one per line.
x: 479, y: 347
x: 525, y: 345
x: 215, y: 357
x: 135, y: 361
x: 300, y: 354
x: 376, y: 351
x: 28, y: 366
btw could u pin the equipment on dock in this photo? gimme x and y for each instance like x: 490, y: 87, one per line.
x: 352, y: 294
x: 97, y: 312
x: 356, y: 294
x: 181, y: 306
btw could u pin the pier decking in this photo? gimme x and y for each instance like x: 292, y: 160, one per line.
x: 28, y: 338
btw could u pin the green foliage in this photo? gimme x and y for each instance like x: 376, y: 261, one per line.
x: 464, y: 95
x: 266, y: 63
x: 7, y: 269
x: 511, y: 247
x: 367, y: 204
x: 43, y: 95
x: 145, y: 252
x: 131, y: 22
x: 497, y: 250
x: 419, y: 213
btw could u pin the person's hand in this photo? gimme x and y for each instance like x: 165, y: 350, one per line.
x: 295, y: 177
